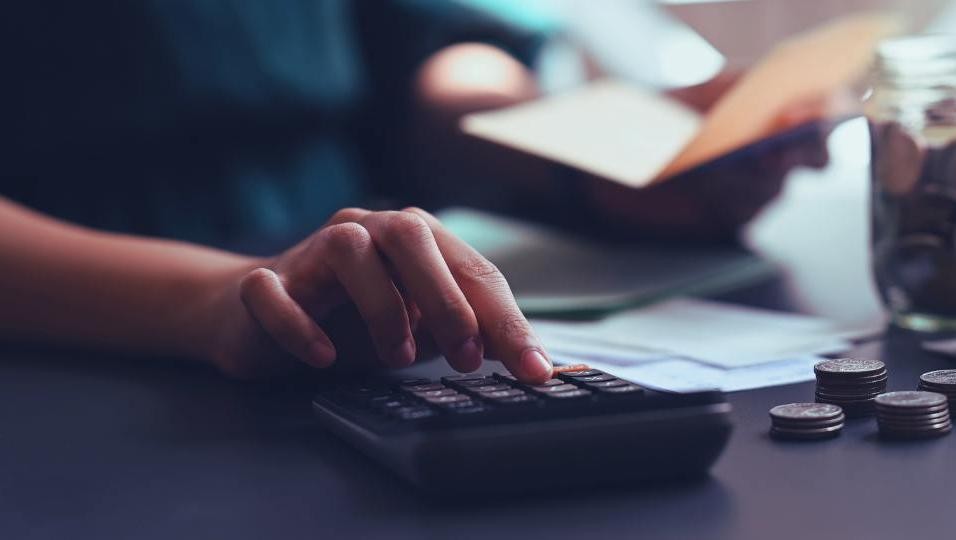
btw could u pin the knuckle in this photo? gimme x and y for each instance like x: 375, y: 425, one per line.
x: 345, y: 238
x: 417, y: 211
x: 405, y: 228
x: 348, y: 214
x: 513, y: 327
x: 255, y: 280
x: 477, y: 269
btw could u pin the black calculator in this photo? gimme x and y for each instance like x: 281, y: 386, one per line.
x: 486, y: 433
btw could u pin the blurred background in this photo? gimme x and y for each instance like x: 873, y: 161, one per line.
x: 672, y: 43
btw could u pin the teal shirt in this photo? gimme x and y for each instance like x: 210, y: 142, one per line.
x: 225, y: 122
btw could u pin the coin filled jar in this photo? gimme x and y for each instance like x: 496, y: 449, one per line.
x: 911, y: 110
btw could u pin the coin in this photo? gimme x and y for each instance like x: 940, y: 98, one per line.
x: 910, y: 399
x: 937, y: 389
x: 850, y: 384
x: 910, y: 414
x: 790, y: 424
x: 806, y: 434
x: 805, y: 412
x: 849, y: 367
x: 936, y: 416
x: 921, y: 426
x: 849, y: 400
x: 942, y: 377
x: 915, y: 430
x: 847, y: 394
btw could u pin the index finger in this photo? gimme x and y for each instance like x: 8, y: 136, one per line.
x: 505, y: 330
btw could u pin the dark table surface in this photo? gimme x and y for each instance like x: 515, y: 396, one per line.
x: 106, y: 448
x: 100, y: 447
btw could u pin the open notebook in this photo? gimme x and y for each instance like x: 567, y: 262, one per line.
x: 617, y: 131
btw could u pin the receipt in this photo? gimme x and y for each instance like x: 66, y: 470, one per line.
x: 723, y: 335
x: 683, y: 375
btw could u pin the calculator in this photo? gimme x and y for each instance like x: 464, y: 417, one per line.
x: 487, y: 433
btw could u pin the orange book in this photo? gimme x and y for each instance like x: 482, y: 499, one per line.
x: 637, y: 137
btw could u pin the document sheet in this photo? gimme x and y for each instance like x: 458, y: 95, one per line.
x: 685, y: 344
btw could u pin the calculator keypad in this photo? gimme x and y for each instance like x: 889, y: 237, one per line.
x: 476, y: 395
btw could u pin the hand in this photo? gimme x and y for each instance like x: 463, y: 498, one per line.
x: 396, y: 268
x: 701, y: 97
x: 711, y: 202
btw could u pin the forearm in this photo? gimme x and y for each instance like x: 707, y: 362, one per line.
x: 64, y: 283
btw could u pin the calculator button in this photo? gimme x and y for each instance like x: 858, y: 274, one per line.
x: 423, y: 387
x: 502, y: 394
x: 441, y: 400
x: 523, y: 399
x: 436, y: 393
x: 629, y: 389
x: 554, y: 389
x: 457, y: 404
x: 579, y: 393
x: 462, y: 378
x: 505, y: 377
x: 551, y: 382
x: 595, y: 378
x: 582, y: 373
x: 413, y: 382
x: 366, y: 392
x: 412, y: 413
x: 608, y: 384
x: 491, y: 388
x: 388, y: 404
x: 471, y: 409
x: 547, y: 386
x: 472, y: 383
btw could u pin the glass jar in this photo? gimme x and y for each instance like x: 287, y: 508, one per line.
x: 911, y: 110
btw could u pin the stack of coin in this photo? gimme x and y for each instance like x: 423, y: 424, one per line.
x: 942, y: 381
x: 806, y: 421
x: 850, y: 383
x: 912, y: 414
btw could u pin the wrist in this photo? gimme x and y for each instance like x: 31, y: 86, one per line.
x: 212, y: 305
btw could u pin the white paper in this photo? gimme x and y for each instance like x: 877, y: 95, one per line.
x: 720, y: 334
x: 686, y: 375
x: 608, y: 128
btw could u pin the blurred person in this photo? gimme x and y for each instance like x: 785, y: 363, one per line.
x: 147, y: 143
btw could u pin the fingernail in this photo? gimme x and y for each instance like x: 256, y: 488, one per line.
x: 403, y: 354
x: 468, y: 356
x: 321, y: 354
x: 535, y: 366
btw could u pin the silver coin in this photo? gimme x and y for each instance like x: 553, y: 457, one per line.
x: 806, y: 434
x: 928, y: 387
x: 849, y: 366
x: 913, y: 420
x: 911, y: 413
x: 920, y: 425
x: 849, y: 400
x: 792, y: 424
x: 938, y: 426
x: 837, y: 398
x: 910, y: 399
x: 851, y: 384
x: 945, y: 378
x: 805, y: 411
